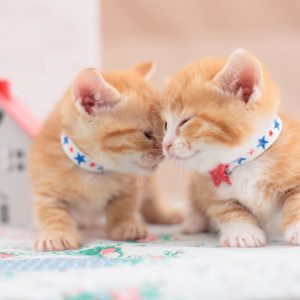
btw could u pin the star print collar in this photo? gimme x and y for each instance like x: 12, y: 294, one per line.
x: 222, y: 172
x: 78, y: 157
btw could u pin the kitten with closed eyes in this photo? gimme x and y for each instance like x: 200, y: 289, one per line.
x: 223, y: 123
x: 103, y: 133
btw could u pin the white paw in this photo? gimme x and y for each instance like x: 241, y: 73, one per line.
x: 194, y: 224
x: 292, y: 234
x: 242, y: 235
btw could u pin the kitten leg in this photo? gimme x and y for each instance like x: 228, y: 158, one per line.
x: 123, y: 222
x: 238, y: 227
x: 200, y: 197
x: 194, y: 223
x: 291, y: 217
x: 154, y: 209
x: 156, y: 212
x: 57, y: 228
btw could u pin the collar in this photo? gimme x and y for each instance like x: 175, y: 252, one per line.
x: 78, y: 157
x: 222, y: 172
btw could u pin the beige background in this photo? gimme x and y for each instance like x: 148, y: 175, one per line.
x: 174, y: 33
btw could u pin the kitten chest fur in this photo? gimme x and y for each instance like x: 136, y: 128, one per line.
x: 96, y: 190
x: 249, y: 188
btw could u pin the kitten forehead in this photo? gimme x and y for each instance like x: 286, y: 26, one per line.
x: 170, y: 116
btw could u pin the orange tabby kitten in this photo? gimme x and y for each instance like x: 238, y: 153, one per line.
x: 222, y: 122
x: 105, y: 130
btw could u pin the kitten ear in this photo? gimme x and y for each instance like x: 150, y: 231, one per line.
x: 91, y: 93
x: 145, y: 69
x: 242, y: 76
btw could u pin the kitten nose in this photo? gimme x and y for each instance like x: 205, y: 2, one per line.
x: 167, y: 146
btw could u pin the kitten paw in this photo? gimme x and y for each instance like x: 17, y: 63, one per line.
x: 194, y: 224
x: 127, y: 231
x: 57, y: 241
x: 292, y: 234
x: 242, y: 235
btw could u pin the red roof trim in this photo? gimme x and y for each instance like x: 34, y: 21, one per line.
x: 17, y: 110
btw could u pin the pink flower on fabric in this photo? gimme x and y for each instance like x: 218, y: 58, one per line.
x: 5, y: 255
x: 111, y: 252
x: 108, y: 251
x: 149, y: 238
x: 126, y: 294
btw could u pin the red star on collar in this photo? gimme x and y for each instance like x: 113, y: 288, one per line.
x: 251, y: 151
x: 271, y: 132
x: 219, y: 175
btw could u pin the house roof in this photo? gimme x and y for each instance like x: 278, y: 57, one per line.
x: 17, y: 110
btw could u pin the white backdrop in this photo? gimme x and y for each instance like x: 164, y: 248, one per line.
x: 44, y: 44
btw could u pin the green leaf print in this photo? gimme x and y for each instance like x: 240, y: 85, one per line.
x: 108, y: 251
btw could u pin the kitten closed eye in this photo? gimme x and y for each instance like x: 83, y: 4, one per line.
x: 149, y: 135
x: 184, y: 121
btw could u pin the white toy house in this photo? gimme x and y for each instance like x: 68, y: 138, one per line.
x: 55, y: 46
x: 17, y: 127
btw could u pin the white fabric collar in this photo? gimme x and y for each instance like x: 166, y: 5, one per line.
x: 221, y: 173
x: 78, y: 157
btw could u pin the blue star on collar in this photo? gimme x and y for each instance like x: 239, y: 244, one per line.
x: 276, y: 124
x: 80, y: 159
x: 240, y: 160
x: 66, y: 140
x: 262, y: 142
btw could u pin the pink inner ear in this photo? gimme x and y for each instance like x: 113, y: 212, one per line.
x: 247, y: 92
x: 241, y: 76
x: 88, y: 103
x: 86, y: 96
x: 244, y: 88
x: 93, y: 93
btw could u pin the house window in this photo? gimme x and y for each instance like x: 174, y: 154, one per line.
x: 4, y: 210
x: 1, y: 116
x: 13, y: 160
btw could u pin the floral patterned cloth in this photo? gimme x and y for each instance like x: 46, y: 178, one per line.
x: 165, y: 265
